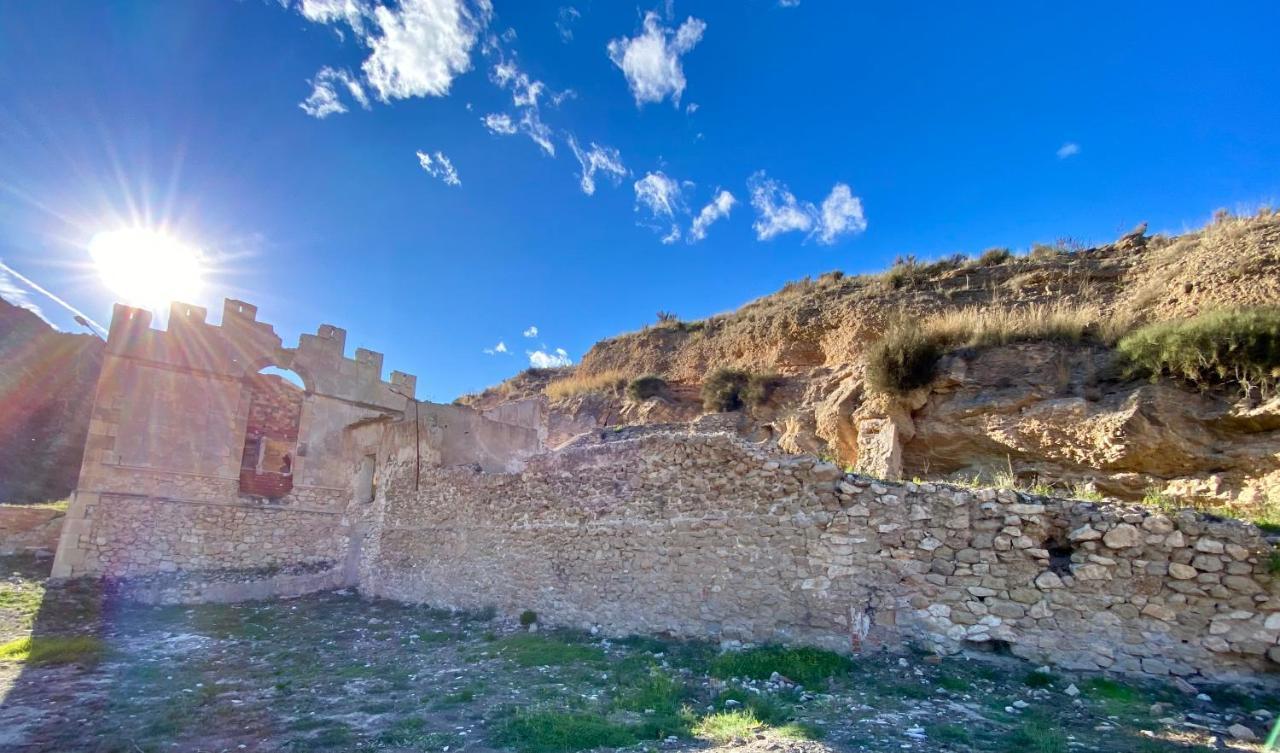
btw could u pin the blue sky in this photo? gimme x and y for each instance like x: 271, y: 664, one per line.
x: 844, y: 133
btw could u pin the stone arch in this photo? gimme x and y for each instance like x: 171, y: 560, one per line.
x: 272, y: 429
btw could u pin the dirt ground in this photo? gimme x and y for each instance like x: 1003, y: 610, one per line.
x: 337, y: 672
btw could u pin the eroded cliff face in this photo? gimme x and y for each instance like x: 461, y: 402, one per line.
x: 1051, y: 414
x: 47, y: 380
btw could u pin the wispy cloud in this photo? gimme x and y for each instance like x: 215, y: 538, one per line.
x: 1069, y: 149
x: 438, y: 166
x: 565, y: 20
x: 660, y: 194
x: 501, y: 347
x: 778, y: 212
x: 542, y: 359
x: 597, y: 159
x: 325, y: 100
x: 531, y: 332
x: 650, y: 61
x: 663, y: 198
x: 525, y: 95
x: 716, y: 209
x: 499, y: 123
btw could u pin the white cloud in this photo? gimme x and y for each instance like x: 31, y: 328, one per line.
x: 421, y: 47
x: 788, y: 3
x: 499, y: 123
x: 691, y: 108
x: 501, y: 347
x: 325, y: 100
x: 416, y: 48
x: 18, y: 296
x: 351, y: 12
x: 651, y: 60
x: 438, y: 166
x: 778, y: 211
x: 672, y: 235
x: 531, y: 332
x: 841, y: 215
x: 525, y: 95
x: 718, y: 208
x: 565, y: 20
x: 597, y: 159
x: 541, y: 359
x: 660, y: 194
x: 1069, y: 149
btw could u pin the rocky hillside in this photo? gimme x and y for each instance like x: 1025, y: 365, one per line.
x: 47, y: 379
x: 1033, y: 409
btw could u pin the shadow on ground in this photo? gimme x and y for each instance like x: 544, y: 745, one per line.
x: 334, y: 672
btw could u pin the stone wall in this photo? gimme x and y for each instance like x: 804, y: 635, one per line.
x: 705, y: 535
x: 25, y: 528
x: 161, y: 502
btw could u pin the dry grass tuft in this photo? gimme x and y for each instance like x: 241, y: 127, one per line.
x: 606, y: 383
x: 906, y: 356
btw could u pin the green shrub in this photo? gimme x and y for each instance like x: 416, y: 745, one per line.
x: 723, y: 390
x: 803, y: 665
x: 528, y: 617
x: 644, y: 387
x: 903, y: 359
x: 1231, y: 345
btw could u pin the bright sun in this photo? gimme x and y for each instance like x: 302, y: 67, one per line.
x: 146, y: 267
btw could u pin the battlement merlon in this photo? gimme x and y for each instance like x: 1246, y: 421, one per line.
x: 242, y: 345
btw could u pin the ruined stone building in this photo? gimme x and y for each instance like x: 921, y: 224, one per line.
x: 206, y: 479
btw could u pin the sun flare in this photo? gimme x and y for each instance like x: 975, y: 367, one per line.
x: 146, y: 267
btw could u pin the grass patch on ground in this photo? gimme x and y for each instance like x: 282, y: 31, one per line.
x: 1116, y: 698
x: 803, y: 665
x: 1240, y: 346
x: 22, y: 599
x: 951, y: 734
x: 52, y: 649
x: 559, y: 732
x: 1037, y: 735
x: 724, y: 726
x: 541, y: 651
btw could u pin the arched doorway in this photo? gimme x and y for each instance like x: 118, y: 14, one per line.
x: 271, y: 433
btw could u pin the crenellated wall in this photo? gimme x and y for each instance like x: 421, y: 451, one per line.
x: 705, y: 535
x: 161, y: 488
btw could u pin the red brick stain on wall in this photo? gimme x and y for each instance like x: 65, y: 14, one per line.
x: 271, y: 437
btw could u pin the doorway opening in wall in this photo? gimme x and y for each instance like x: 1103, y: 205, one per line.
x: 366, y: 485
x: 269, y: 461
